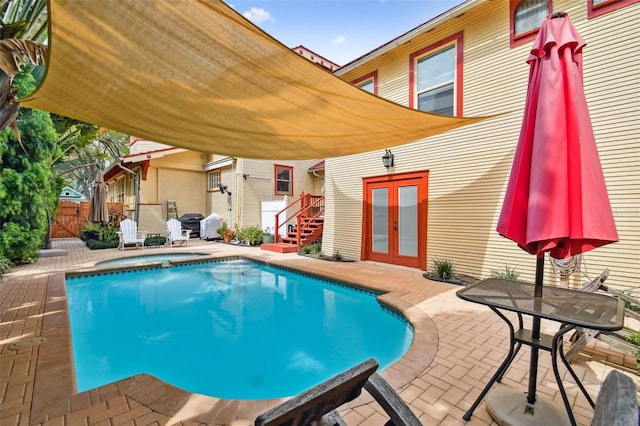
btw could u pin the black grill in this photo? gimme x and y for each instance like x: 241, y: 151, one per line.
x: 191, y: 221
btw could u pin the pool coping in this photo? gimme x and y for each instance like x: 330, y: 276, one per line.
x: 55, y: 361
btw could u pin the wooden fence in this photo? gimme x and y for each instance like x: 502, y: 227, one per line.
x: 71, y: 218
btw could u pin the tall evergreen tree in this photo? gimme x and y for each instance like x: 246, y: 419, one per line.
x: 28, y: 186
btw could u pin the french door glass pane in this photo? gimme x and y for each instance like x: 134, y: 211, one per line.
x: 380, y: 220
x: 408, y: 220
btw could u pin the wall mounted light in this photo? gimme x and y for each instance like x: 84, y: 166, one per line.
x: 387, y: 159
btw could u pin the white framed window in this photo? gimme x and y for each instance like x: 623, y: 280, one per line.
x: 283, y: 180
x: 435, y: 81
x: 131, y: 185
x: 435, y: 77
x: 213, y: 180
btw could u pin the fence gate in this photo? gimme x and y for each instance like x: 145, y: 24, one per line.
x: 69, y: 219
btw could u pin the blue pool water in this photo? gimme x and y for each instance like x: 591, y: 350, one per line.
x: 232, y: 329
x: 164, y: 258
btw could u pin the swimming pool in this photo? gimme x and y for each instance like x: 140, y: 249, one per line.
x: 233, y: 329
x: 164, y: 258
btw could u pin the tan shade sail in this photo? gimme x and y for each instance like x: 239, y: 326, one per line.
x: 197, y: 75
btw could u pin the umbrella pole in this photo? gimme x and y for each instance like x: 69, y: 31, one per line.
x: 535, y: 331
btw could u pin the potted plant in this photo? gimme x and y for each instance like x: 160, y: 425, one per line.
x: 221, y: 229
x: 92, y: 231
x: 228, y: 235
x: 250, y: 235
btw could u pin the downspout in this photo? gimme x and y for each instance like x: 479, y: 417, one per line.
x: 234, y: 173
x: 136, y: 215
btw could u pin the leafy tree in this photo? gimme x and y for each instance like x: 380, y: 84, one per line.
x: 27, y: 182
x: 53, y: 145
x: 106, y: 147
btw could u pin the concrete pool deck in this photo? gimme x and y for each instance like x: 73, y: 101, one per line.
x: 458, y: 346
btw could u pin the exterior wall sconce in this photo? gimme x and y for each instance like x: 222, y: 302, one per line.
x: 387, y: 159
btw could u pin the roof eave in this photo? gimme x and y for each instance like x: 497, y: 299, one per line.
x: 452, y: 13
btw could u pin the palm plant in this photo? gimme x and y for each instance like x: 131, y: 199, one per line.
x: 23, y: 31
x: 21, y: 19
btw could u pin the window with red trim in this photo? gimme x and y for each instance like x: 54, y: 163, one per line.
x: 368, y: 82
x: 435, y: 77
x: 283, y: 180
x: 526, y: 16
x: 600, y: 7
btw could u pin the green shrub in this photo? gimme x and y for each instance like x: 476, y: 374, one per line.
x: 316, y: 247
x: 101, y: 244
x: 634, y: 338
x: 307, y: 249
x: 442, y: 269
x: 5, y: 264
x: 157, y: 241
x: 93, y: 227
x: 509, y: 273
x: 96, y: 231
x: 108, y: 233
x: 250, y: 234
x: 18, y: 243
x: 337, y: 255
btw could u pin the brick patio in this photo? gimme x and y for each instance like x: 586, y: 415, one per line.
x: 457, y: 347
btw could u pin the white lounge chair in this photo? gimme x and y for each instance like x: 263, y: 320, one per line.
x: 175, y: 233
x: 129, y: 234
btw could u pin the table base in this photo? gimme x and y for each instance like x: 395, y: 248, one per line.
x: 509, y: 407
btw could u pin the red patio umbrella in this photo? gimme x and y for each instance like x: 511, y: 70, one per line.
x: 556, y: 200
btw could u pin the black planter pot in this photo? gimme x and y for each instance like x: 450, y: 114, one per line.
x: 91, y: 235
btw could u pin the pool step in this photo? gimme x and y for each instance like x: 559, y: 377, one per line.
x: 280, y: 247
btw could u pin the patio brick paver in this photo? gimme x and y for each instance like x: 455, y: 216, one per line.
x: 458, y: 346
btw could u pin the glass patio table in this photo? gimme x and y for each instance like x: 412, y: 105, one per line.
x: 570, y: 308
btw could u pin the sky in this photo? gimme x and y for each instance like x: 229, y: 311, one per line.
x: 339, y: 30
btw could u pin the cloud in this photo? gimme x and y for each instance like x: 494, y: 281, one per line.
x: 339, y: 40
x: 258, y: 15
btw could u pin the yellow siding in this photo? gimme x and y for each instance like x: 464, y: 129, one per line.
x: 256, y: 188
x: 149, y: 187
x: 187, y: 188
x: 469, y: 167
x: 259, y: 185
x: 221, y: 204
x: 146, y: 146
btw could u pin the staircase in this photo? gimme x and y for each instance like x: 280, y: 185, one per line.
x: 306, y: 223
